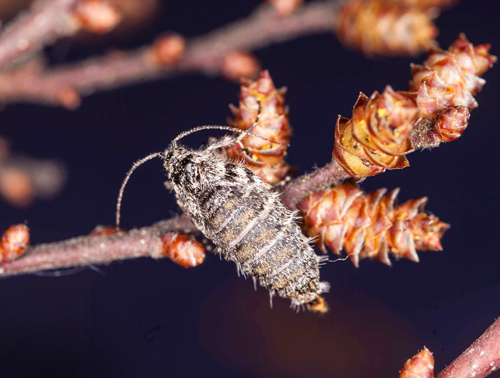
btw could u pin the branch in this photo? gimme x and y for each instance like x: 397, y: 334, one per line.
x: 143, y: 242
x: 46, y: 21
x: 303, y: 186
x: 85, y: 250
x: 203, y: 55
x: 480, y: 360
x: 385, y: 127
x: 23, y: 178
x: 50, y: 20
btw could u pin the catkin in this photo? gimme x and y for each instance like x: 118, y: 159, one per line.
x: 262, y: 157
x: 379, y: 27
x: 386, y: 127
x: 377, y: 137
x: 444, y: 88
x: 370, y: 225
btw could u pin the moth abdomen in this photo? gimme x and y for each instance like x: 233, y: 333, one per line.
x: 248, y: 223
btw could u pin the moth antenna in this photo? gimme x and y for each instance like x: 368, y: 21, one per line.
x: 219, y: 127
x: 233, y: 129
x: 247, y: 131
x: 127, y: 177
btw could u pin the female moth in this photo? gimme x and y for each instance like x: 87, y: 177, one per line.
x: 243, y: 217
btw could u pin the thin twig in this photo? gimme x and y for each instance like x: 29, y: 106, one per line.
x: 479, y: 360
x: 23, y: 178
x: 143, y: 242
x: 333, y: 174
x: 320, y: 179
x: 46, y: 21
x: 85, y: 250
x: 203, y: 55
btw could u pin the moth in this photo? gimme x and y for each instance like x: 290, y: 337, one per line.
x: 244, y: 218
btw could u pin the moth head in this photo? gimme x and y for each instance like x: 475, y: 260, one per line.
x: 183, y: 168
x: 170, y: 155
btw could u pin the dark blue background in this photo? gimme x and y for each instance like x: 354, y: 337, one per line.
x: 147, y: 318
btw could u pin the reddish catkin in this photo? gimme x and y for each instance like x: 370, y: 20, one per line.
x: 183, y: 250
x: 377, y: 137
x: 445, y: 86
x: 14, y: 242
x: 262, y: 157
x: 384, y: 128
x: 370, y: 225
x: 419, y: 366
x: 380, y: 27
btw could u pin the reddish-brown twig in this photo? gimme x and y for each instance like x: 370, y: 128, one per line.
x: 48, y: 20
x: 23, y: 178
x: 144, y: 242
x: 204, y: 54
x: 45, y: 22
x: 307, y: 184
x: 479, y: 360
x: 85, y: 250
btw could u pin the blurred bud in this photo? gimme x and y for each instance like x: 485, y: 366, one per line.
x: 16, y: 186
x: 168, y: 49
x: 238, y: 65
x: 48, y: 177
x: 379, y: 27
x: 22, y: 178
x: 97, y: 16
x: 285, y: 7
x: 69, y: 98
